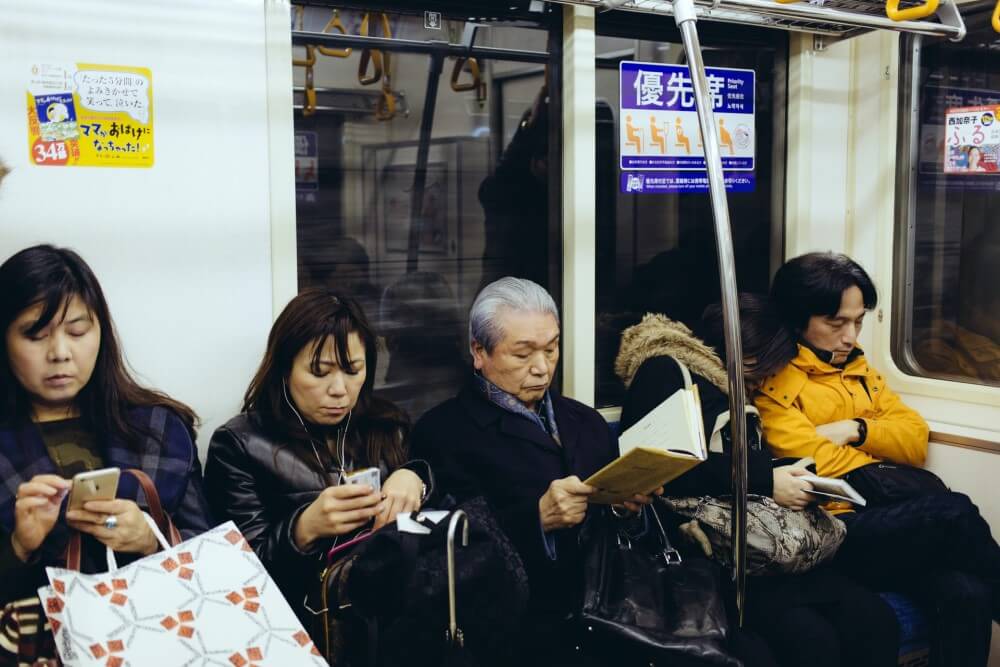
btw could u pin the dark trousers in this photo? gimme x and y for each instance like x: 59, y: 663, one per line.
x: 848, y: 627
x: 938, y: 550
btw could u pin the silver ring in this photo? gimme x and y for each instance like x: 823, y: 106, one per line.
x: 111, y: 522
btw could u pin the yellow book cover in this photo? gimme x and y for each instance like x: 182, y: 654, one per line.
x: 658, y: 448
x: 641, y: 470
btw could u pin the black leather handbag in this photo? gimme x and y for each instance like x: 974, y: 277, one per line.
x: 888, y: 483
x: 645, y: 605
x: 400, y: 583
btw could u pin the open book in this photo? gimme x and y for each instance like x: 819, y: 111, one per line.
x: 834, y: 489
x: 661, y: 446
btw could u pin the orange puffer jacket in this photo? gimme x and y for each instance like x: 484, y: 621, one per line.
x: 809, y: 392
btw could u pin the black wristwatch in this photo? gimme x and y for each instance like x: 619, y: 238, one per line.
x: 862, y: 432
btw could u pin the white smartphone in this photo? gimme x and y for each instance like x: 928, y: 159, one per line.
x: 370, y: 476
x: 93, y: 485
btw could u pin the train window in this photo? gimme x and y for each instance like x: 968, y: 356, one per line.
x: 656, y: 251
x: 422, y: 176
x: 948, y: 208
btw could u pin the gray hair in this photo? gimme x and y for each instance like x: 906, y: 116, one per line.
x: 516, y: 294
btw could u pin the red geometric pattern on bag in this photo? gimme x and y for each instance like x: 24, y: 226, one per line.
x: 303, y: 640
x: 254, y: 655
x: 117, y: 585
x: 55, y: 625
x: 54, y: 605
x: 113, y: 646
x: 59, y: 585
x: 235, y: 538
x: 185, y: 558
x: 182, y: 623
x: 250, y: 593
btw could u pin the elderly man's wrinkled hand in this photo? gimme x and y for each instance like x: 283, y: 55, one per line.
x: 564, y: 505
x: 638, y: 500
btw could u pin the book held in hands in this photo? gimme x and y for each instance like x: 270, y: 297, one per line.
x: 658, y: 448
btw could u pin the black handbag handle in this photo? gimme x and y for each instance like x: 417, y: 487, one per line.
x: 667, y: 551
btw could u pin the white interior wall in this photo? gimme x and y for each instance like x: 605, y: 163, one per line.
x: 182, y: 249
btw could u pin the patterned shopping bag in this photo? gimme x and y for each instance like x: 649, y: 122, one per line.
x: 206, y: 601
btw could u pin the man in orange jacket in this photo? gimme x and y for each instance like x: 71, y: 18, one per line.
x: 830, y: 404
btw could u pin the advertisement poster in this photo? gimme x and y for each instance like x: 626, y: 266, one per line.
x: 306, y: 165
x: 660, y: 143
x: 972, y: 144
x: 83, y: 115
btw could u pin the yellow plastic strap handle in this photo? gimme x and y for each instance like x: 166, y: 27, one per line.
x: 472, y: 65
x: 378, y: 59
x: 309, y: 108
x: 335, y: 24
x: 387, y: 33
x: 893, y: 11
x: 996, y: 17
x: 310, y: 58
x: 385, y: 107
x: 786, y: 2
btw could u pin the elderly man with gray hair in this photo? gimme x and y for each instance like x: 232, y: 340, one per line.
x: 507, y: 436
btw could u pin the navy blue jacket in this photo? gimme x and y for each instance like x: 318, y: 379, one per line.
x: 477, y: 448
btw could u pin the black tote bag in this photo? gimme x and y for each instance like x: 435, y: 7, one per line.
x: 645, y: 605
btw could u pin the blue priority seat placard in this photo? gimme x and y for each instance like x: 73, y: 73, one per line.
x: 660, y: 143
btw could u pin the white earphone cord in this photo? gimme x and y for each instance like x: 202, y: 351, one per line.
x: 341, y: 442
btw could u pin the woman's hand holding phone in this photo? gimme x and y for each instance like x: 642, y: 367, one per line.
x: 36, y: 511
x: 402, y: 493
x: 338, y: 510
x: 131, y: 533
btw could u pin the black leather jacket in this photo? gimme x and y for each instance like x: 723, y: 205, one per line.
x: 263, y: 486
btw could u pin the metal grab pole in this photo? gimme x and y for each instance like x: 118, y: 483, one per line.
x: 684, y: 14
x: 420, y: 171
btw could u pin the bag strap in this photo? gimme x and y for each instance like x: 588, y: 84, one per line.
x: 670, y: 555
x: 684, y: 371
x: 455, y: 636
x: 162, y: 520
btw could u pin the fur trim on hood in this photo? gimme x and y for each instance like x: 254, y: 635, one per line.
x: 657, y: 336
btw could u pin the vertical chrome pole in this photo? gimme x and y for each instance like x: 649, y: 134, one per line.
x: 684, y: 14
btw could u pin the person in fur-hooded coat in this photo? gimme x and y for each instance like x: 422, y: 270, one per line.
x: 817, y: 618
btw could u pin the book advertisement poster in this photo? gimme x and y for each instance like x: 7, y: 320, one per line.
x: 85, y: 115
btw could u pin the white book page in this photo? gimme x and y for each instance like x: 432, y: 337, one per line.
x: 668, y: 426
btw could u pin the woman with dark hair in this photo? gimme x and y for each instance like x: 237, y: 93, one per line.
x: 310, y: 418
x: 68, y: 404
x: 818, y: 618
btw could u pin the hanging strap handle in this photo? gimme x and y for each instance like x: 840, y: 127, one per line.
x: 378, y: 59
x: 455, y: 637
x: 385, y: 106
x: 472, y: 66
x: 893, y: 11
x: 160, y: 520
x: 335, y: 24
x: 310, y: 59
x: 309, y: 108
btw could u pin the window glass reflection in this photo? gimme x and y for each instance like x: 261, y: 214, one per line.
x: 412, y: 205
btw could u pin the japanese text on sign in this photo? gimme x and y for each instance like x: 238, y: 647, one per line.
x: 659, y: 130
x: 90, y: 115
x: 972, y: 140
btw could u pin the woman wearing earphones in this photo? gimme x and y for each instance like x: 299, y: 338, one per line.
x: 309, y: 419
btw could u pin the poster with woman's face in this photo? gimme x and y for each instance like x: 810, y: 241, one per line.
x: 972, y: 143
